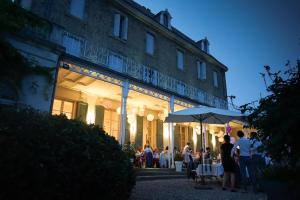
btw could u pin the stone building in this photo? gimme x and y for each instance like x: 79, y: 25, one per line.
x: 122, y: 67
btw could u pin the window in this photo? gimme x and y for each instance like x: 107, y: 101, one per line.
x: 150, y: 43
x: 201, y: 69
x: 215, y: 79
x: 63, y: 107
x: 26, y: 4
x: 165, y: 20
x: 72, y: 44
x: 120, y: 26
x: 111, y: 123
x: 77, y: 8
x: 179, y: 59
x: 115, y: 62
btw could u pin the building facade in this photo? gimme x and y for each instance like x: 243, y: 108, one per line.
x: 122, y: 67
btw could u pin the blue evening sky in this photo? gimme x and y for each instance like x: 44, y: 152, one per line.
x: 244, y: 35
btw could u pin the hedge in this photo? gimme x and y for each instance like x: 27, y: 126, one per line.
x: 51, y: 157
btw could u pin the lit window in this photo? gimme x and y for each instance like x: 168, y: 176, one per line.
x: 77, y: 8
x: 149, y: 43
x: 215, y: 79
x: 62, y: 107
x: 201, y: 69
x: 179, y: 59
x: 111, y: 123
x: 120, y: 26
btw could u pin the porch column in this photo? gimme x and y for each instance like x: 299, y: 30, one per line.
x: 123, y: 114
x: 171, y: 134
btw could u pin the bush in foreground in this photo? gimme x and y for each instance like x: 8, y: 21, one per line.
x: 51, y: 157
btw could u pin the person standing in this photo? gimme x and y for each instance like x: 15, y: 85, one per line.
x: 228, y: 164
x: 156, y: 158
x: 185, y: 154
x: 243, y: 144
x: 257, y: 161
x: 149, y: 156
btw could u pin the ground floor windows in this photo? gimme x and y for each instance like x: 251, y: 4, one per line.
x: 111, y: 123
x: 63, y: 107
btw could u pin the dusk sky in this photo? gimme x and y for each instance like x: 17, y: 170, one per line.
x: 244, y: 35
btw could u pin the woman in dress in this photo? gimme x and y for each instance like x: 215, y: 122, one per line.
x: 228, y: 163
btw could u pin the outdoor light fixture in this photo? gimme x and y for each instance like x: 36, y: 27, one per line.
x: 66, y: 66
x: 150, y: 117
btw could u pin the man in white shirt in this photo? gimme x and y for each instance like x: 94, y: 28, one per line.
x: 243, y: 144
x: 185, y: 153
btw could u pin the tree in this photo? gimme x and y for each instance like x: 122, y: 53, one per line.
x: 277, y: 117
x: 13, y: 20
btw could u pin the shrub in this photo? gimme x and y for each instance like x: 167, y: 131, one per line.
x: 51, y: 157
x: 178, y: 157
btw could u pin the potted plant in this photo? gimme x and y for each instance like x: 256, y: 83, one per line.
x: 129, y: 151
x: 178, y: 162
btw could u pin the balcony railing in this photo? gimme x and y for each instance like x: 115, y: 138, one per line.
x: 131, y: 67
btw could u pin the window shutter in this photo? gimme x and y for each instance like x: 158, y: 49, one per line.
x: 117, y: 19
x: 190, y: 137
x: 77, y: 8
x: 99, y: 118
x: 149, y: 43
x: 139, y: 132
x: 198, y: 70
x: 159, y: 138
x: 215, y: 77
x: 81, y: 111
x: 179, y: 60
x: 203, y: 70
x: 125, y: 28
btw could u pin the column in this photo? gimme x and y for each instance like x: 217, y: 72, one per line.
x: 171, y: 134
x: 123, y: 114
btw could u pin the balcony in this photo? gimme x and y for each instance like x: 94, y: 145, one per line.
x: 79, y: 47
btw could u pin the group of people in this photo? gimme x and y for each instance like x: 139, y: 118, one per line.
x: 149, y: 158
x: 242, y: 160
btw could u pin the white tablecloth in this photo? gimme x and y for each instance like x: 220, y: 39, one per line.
x: 210, y: 170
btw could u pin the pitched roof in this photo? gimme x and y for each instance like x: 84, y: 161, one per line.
x: 147, y: 12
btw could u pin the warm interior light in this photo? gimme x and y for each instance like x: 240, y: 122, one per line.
x: 213, y: 141
x: 119, y: 110
x: 221, y: 139
x: 150, y: 117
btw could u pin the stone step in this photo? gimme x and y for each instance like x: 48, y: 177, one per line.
x: 149, y: 171
x: 159, y: 177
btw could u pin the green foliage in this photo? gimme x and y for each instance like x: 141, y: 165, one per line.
x: 277, y: 117
x: 129, y: 150
x: 278, y: 173
x: 178, y: 157
x: 15, y: 19
x: 50, y: 157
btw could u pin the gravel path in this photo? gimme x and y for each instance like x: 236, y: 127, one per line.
x: 181, y: 189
